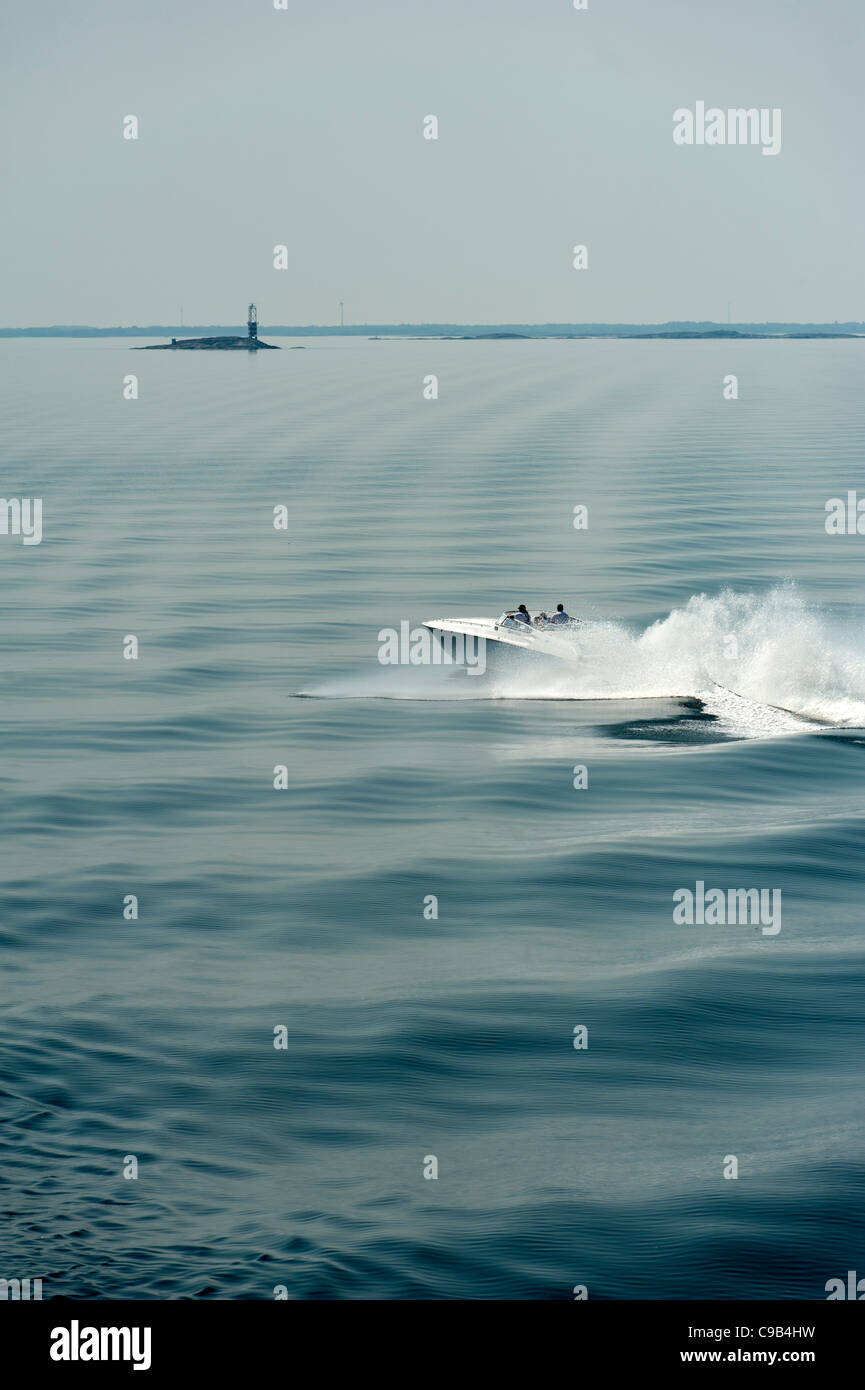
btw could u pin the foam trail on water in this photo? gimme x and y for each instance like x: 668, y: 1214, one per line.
x: 773, y: 649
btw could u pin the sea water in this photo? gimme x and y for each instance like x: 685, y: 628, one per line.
x: 245, y: 1009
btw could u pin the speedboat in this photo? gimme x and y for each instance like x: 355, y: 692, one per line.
x: 536, y: 636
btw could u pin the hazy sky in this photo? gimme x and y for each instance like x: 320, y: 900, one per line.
x: 304, y: 127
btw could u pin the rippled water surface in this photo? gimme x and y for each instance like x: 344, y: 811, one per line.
x: 716, y: 702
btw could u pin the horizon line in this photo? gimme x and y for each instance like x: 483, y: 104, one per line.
x: 162, y: 329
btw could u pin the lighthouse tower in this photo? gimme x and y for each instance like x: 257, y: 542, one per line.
x: 252, y: 328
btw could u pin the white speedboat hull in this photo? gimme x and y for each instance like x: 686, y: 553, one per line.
x: 550, y: 640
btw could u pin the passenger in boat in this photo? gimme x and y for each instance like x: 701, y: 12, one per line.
x: 514, y: 616
x: 560, y: 616
x: 541, y: 620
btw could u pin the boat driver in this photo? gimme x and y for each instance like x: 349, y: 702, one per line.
x: 560, y: 616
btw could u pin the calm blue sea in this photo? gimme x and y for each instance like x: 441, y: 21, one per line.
x: 298, y: 915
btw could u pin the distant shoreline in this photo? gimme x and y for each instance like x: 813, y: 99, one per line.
x: 495, y: 332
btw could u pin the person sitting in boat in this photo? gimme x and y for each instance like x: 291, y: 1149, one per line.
x: 520, y: 616
x: 541, y: 620
x: 560, y: 616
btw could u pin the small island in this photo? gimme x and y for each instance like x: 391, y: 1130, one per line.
x: 222, y: 343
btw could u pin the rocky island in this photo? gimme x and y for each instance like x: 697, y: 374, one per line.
x: 222, y: 343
